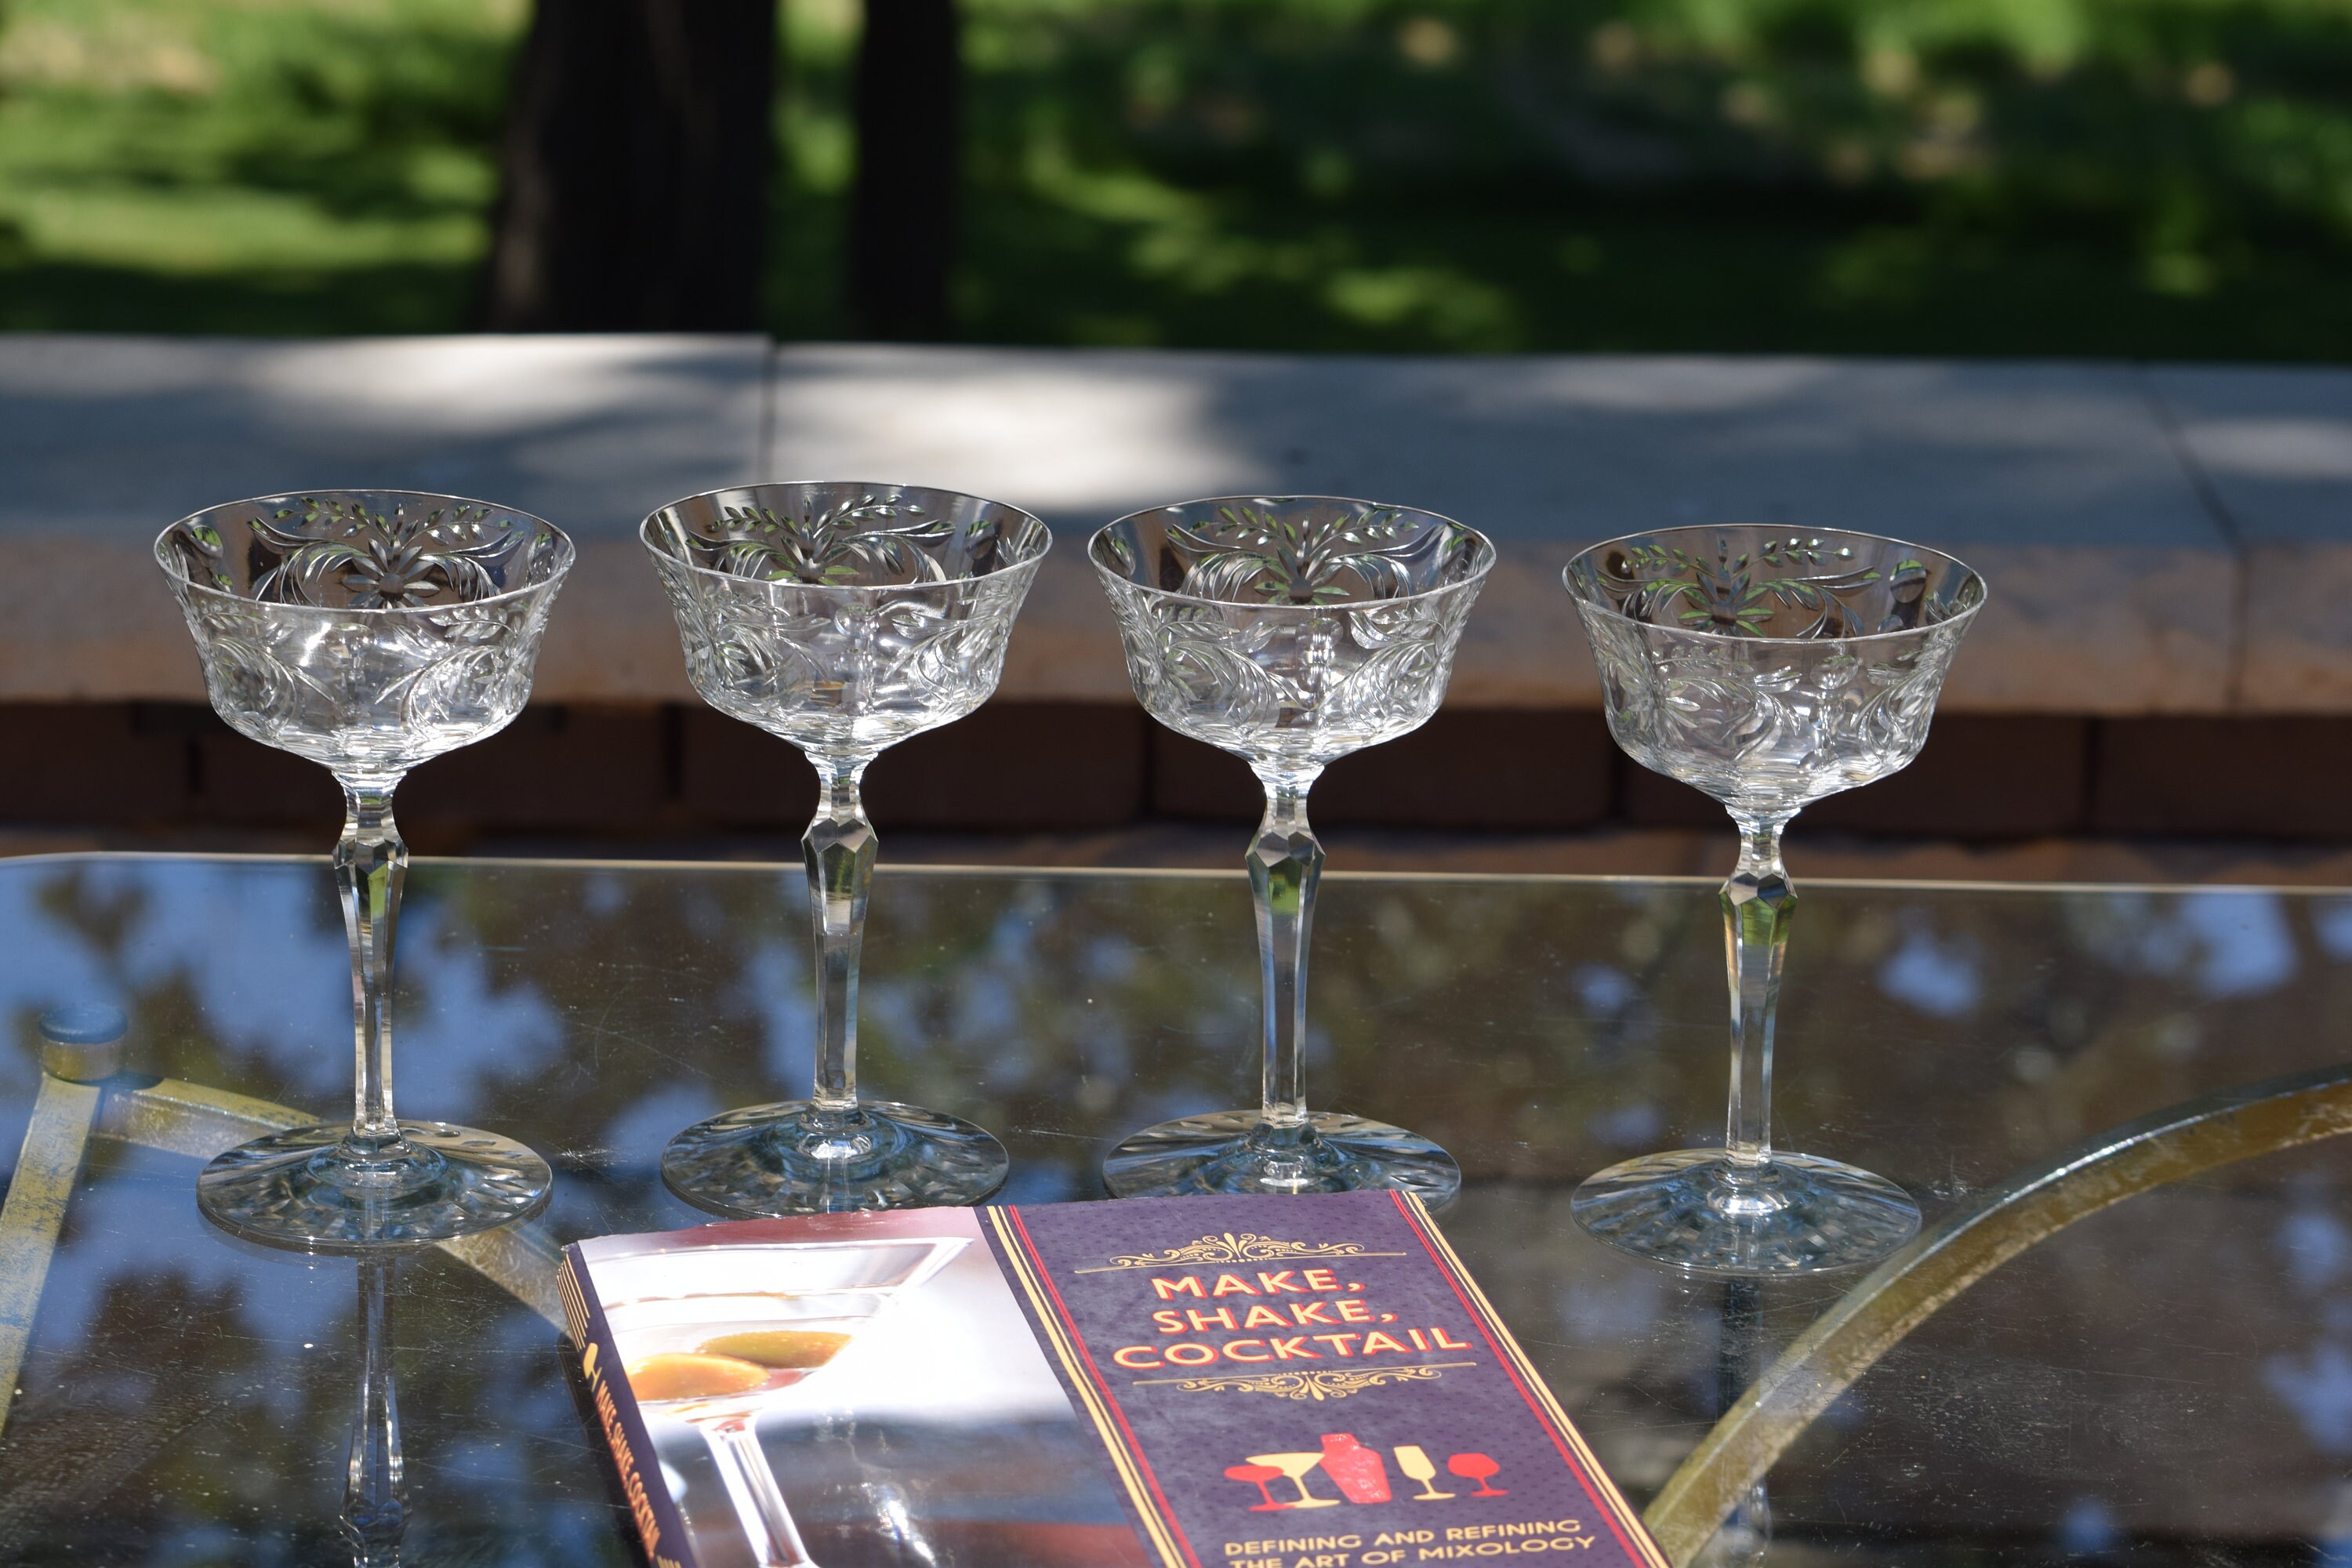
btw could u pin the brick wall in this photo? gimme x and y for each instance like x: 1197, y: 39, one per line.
x: 653, y: 772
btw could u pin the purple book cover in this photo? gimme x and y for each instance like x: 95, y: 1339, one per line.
x: 1284, y: 1380
x: 1186, y: 1382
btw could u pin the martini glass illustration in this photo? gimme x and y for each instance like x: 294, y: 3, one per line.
x: 1478, y: 1468
x: 1768, y: 669
x: 1293, y: 1468
x: 1257, y: 1476
x: 1414, y: 1461
x: 713, y: 1337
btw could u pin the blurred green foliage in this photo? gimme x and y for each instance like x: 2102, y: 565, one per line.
x: 248, y: 165
x: 2152, y: 177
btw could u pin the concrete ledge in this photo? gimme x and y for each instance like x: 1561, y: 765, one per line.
x: 2163, y: 542
x: 2273, y: 450
x: 106, y: 440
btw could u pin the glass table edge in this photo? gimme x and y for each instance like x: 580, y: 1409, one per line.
x: 1174, y: 873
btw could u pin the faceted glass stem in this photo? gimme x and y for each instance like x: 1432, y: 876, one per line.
x: 372, y: 866
x: 1744, y: 1209
x: 1280, y: 1147
x: 1757, y: 901
x: 375, y: 1182
x: 839, y: 849
x: 833, y: 1152
x: 375, y: 1485
x: 751, y: 1488
x: 1286, y: 863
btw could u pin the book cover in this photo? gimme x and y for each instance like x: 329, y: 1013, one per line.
x: 1182, y: 1382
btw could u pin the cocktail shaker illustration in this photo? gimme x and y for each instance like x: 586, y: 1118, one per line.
x: 1360, y: 1475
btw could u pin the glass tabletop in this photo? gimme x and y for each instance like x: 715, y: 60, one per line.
x: 2169, y: 1378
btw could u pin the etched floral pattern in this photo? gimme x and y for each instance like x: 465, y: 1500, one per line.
x: 367, y: 632
x: 776, y: 635
x: 866, y: 536
x: 1770, y: 669
x: 1740, y: 592
x: 1293, y: 555
x: 364, y: 552
x: 1237, y: 632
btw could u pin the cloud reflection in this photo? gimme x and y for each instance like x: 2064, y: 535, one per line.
x: 1935, y: 975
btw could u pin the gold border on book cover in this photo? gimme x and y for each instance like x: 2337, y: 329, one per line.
x: 1316, y: 1385
x: 1246, y: 1248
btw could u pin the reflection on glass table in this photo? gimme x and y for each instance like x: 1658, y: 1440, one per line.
x: 2156, y: 1382
x: 376, y: 1475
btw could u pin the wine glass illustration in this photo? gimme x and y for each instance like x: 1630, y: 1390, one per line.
x: 712, y: 1337
x: 843, y: 618
x: 1769, y: 669
x: 1416, y: 1463
x: 1289, y: 631
x: 1480, y: 1469
x: 1257, y: 1475
x: 1293, y: 1468
x: 368, y: 631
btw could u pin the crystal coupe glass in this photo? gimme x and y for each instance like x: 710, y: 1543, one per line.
x: 843, y: 617
x: 1768, y: 669
x: 368, y: 630
x: 1289, y: 631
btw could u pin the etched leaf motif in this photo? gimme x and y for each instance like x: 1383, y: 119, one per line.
x: 1290, y: 557
x: 1275, y: 681
x: 1738, y: 592
x: 861, y: 539
x: 305, y: 658
x: 836, y: 668
x: 1771, y: 670
x: 381, y: 559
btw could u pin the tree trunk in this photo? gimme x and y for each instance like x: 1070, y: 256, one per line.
x: 902, y: 227
x: 635, y: 169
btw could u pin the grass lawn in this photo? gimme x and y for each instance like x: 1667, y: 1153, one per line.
x: 2162, y: 178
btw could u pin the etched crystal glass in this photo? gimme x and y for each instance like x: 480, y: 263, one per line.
x: 843, y: 618
x: 1289, y: 631
x: 1768, y: 669
x: 368, y: 631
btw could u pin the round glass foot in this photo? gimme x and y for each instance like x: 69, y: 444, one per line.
x: 306, y: 1189
x: 1796, y: 1214
x: 1240, y: 1151
x: 794, y: 1157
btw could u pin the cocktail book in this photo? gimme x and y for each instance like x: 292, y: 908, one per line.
x: 1172, y: 1383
